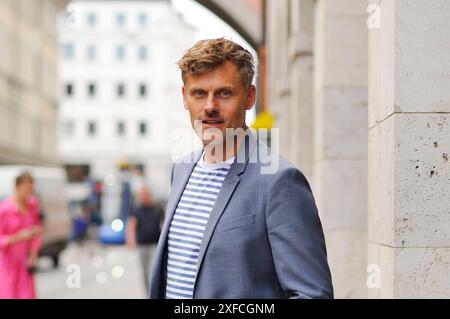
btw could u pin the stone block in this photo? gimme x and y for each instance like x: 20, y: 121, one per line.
x: 301, y: 107
x: 341, y: 123
x: 382, y: 65
x: 347, y: 259
x: 381, y: 158
x: 380, y: 271
x: 341, y: 193
x: 422, y: 273
x: 422, y: 80
x: 408, y: 65
x: 345, y: 7
x: 422, y: 176
x: 409, y: 173
x: 341, y: 44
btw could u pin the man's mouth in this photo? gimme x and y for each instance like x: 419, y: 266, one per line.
x: 212, y: 122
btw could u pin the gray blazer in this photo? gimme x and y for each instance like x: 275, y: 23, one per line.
x: 264, y: 238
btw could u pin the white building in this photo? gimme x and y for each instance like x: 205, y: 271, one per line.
x: 120, y: 86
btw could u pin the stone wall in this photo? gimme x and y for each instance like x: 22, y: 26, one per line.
x: 409, y: 171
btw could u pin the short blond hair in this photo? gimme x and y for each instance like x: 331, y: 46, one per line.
x: 209, y: 54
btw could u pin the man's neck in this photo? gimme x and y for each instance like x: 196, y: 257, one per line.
x: 222, y: 152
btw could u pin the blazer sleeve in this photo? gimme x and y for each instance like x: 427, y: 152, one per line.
x: 296, y: 238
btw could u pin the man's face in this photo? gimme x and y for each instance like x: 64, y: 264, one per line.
x: 217, y: 100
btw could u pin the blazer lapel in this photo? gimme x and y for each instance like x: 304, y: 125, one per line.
x: 178, y: 191
x: 178, y: 187
x: 229, y: 185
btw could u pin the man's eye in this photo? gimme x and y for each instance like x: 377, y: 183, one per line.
x: 225, y: 93
x: 198, y: 93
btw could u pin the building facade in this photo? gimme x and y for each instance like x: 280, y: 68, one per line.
x: 360, y: 93
x: 28, y: 81
x: 121, y: 88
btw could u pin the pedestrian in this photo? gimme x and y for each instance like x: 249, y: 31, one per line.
x: 143, y: 230
x: 233, y: 230
x: 20, y: 240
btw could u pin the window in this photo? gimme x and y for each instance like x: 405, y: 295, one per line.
x: 142, y: 20
x: 142, y: 90
x: 91, y: 52
x: 68, y: 51
x: 142, y: 128
x: 69, y: 89
x: 68, y: 129
x: 92, y: 128
x: 120, y: 52
x: 91, y: 19
x: 120, y: 90
x: 120, y: 128
x: 120, y: 19
x: 142, y: 53
x: 92, y: 89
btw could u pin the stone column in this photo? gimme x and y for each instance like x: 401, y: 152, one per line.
x: 301, y: 103
x: 409, y: 147
x: 279, y: 89
x: 340, y: 163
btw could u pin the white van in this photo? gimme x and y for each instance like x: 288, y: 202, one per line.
x: 50, y: 187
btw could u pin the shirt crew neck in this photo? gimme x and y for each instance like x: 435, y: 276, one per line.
x: 214, y: 166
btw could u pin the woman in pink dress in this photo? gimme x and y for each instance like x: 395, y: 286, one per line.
x: 19, y: 241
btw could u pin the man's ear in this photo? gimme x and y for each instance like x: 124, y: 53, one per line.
x: 183, y: 91
x: 251, y: 99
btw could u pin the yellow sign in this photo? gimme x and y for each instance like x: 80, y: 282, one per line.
x: 123, y: 164
x: 263, y: 120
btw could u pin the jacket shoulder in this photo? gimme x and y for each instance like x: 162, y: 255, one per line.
x: 184, y: 162
x: 274, y: 164
x: 189, y: 158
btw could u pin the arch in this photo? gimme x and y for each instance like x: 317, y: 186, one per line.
x: 245, y: 16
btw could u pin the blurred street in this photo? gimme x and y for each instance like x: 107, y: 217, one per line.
x: 353, y: 93
x: 107, y: 272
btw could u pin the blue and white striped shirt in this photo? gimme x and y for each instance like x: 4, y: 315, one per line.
x: 188, y: 225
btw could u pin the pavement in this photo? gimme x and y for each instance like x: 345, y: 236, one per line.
x: 91, y: 271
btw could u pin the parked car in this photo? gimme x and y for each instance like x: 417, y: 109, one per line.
x: 50, y: 186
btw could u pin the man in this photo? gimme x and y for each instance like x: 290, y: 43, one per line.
x: 231, y: 230
x: 143, y: 231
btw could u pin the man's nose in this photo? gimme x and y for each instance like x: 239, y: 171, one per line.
x: 210, y: 104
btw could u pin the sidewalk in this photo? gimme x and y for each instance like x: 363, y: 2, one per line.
x: 106, y: 272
